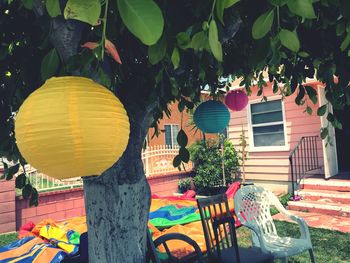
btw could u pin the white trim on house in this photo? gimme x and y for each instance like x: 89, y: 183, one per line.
x: 330, y: 156
x: 251, y: 147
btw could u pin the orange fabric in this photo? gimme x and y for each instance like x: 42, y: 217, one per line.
x: 179, y: 248
x: 77, y: 224
x: 46, y: 255
x: 17, y: 252
x: 36, y: 229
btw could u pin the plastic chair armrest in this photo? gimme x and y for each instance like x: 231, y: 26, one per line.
x: 304, y: 229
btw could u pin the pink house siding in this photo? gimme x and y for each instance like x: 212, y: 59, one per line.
x: 272, y: 167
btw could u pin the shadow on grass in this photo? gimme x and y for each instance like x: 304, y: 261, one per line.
x: 329, y: 246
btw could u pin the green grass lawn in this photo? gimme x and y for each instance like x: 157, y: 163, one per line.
x: 7, y: 238
x: 329, y: 246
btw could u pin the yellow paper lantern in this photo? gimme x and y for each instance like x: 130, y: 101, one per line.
x: 70, y: 127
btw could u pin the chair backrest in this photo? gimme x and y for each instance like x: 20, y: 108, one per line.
x: 212, y: 209
x: 252, y: 207
x: 227, y: 223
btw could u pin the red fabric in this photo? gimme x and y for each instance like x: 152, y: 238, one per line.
x: 26, y: 229
x: 189, y: 194
x: 231, y: 191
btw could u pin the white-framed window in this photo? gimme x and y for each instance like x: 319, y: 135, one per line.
x: 171, y: 131
x: 267, y: 125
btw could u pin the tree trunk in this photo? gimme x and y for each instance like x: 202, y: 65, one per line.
x: 117, y: 203
x: 117, y: 219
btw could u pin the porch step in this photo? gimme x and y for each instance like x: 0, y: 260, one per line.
x: 320, y: 207
x: 321, y: 184
x: 325, y: 196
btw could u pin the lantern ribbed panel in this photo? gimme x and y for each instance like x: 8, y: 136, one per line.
x: 72, y: 127
x: 236, y: 100
x: 211, y: 116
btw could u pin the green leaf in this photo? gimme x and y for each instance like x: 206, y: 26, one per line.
x: 330, y: 117
x: 278, y: 2
x: 324, y: 133
x: 87, y: 11
x: 300, y: 96
x: 27, y: 191
x: 309, y: 110
x: 177, y: 161
x: 183, y: 40
x: 229, y: 3
x: 53, y: 7
x: 175, y: 58
x: 263, y: 24
x: 340, y: 29
x: 289, y: 39
x: 302, y: 8
x: 34, y: 198
x: 345, y: 42
x: 303, y: 54
x: 181, y: 138
x: 219, y: 8
x: 50, y: 64
x: 10, y: 172
x: 311, y: 92
x: 20, y: 181
x: 322, y: 110
x: 200, y: 42
x: 185, y: 154
x: 181, y: 105
x: 336, y: 124
x: 143, y: 18
x: 157, y: 52
x: 28, y: 4
x: 214, y: 43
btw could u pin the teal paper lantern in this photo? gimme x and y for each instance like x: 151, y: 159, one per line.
x: 211, y: 116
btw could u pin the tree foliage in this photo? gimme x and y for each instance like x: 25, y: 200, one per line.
x: 171, y: 49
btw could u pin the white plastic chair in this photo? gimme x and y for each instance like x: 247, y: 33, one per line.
x: 252, y: 207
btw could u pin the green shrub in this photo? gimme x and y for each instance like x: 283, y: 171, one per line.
x: 207, y: 159
x: 184, y: 185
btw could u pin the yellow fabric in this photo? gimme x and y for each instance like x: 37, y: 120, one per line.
x: 72, y: 127
x: 77, y: 224
x: 54, y: 232
x: 58, y: 234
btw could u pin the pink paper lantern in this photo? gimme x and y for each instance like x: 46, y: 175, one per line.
x: 236, y: 100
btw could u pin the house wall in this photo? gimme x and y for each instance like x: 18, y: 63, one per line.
x: 271, y: 168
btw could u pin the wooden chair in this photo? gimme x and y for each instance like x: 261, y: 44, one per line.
x: 220, y: 234
x: 152, y: 256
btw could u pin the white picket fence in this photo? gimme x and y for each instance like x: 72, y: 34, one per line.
x: 157, y: 160
x: 44, y: 183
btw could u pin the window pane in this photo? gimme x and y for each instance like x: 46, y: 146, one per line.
x: 274, y: 105
x: 174, y: 134
x: 168, y: 140
x: 267, y: 117
x: 268, y: 129
x: 269, y: 136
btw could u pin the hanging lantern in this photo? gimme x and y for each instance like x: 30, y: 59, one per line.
x: 236, y: 100
x: 72, y: 127
x: 211, y: 116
